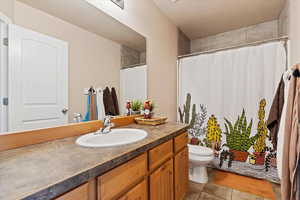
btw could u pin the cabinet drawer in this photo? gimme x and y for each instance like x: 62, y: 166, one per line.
x: 160, y: 154
x: 79, y: 193
x: 139, y: 192
x: 120, y: 179
x: 180, y: 141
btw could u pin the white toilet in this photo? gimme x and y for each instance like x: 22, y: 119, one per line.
x: 199, y: 157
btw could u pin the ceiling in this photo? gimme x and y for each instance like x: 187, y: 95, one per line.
x: 201, y: 18
x: 90, y: 18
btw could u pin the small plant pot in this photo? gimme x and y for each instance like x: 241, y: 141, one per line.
x: 195, y: 141
x: 260, y: 158
x: 136, y: 112
x: 240, y: 156
x: 273, y: 162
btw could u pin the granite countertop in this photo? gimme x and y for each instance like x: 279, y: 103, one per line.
x: 47, y: 170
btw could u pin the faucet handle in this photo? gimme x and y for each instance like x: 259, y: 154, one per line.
x: 106, y: 120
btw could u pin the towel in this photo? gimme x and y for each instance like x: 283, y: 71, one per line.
x: 273, y: 121
x: 100, y: 104
x: 108, y: 103
x: 115, y: 100
x: 291, y: 147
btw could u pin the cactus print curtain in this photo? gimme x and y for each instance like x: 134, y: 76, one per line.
x: 226, y: 96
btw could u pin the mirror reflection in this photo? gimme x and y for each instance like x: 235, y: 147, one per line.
x: 58, y: 66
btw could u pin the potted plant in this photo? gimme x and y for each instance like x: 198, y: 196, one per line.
x: 238, y: 137
x: 136, y: 106
x: 213, y: 134
x: 198, y: 127
x: 262, y: 132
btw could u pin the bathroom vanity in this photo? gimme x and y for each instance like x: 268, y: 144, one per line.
x: 154, y: 168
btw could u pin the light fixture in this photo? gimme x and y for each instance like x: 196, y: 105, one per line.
x: 119, y: 3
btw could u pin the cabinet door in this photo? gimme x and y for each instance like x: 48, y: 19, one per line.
x: 79, y: 193
x: 181, y: 167
x: 161, y: 182
x: 139, y: 192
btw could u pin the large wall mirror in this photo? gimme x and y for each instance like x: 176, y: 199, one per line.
x: 65, y: 62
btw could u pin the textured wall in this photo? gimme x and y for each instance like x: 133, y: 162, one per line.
x: 184, y: 43
x: 129, y: 56
x: 267, y: 30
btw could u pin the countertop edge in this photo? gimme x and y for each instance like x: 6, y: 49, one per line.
x: 68, y: 184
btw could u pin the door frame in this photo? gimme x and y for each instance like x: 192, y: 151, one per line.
x: 3, y: 68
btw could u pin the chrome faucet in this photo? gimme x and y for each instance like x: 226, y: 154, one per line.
x: 107, y: 125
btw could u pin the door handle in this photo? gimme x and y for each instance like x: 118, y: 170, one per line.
x: 65, y: 110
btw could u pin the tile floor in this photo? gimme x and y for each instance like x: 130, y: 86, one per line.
x: 212, y: 191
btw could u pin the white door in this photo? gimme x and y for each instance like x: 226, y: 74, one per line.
x: 38, y: 80
x: 133, y: 84
x: 3, y: 77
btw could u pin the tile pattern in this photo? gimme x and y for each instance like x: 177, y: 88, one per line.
x: 212, y: 191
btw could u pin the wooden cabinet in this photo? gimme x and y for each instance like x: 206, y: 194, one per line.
x: 180, y: 142
x: 79, y: 193
x: 181, y: 171
x: 159, y: 174
x: 139, y: 192
x: 160, y: 154
x: 162, y: 182
x: 122, y: 178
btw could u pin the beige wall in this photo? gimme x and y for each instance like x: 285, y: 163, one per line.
x: 144, y: 17
x: 184, y: 43
x: 7, y: 8
x: 259, y: 32
x: 283, y: 20
x: 93, y: 60
x: 294, y: 30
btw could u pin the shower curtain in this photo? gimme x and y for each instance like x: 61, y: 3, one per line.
x: 232, y: 91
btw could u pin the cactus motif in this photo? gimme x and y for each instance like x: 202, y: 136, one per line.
x: 213, y: 131
x: 262, y: 130
x: 186, y: 108
x: 185, y: 113
x: 238, y: 135
x: 198, y: 128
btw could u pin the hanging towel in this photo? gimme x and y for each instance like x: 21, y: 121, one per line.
x: 273, y: 121
x: 87, y: 115
x: 91, y: 106
x: 291, y: 140
x: 100, y: 105
x: 280, y: 136
x: 108, y: 103
x: 115, y: 100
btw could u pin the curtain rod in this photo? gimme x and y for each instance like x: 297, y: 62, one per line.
x: 284, y: 38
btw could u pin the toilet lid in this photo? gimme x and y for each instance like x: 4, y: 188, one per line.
x: 199, y: 150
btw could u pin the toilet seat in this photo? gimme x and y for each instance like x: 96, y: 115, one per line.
x: 200, y: 151
x: 199, y: 158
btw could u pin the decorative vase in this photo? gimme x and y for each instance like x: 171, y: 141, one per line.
x: 195, y: 141
x: 273, y: 162
x: 239, y: 155
x: 260, y: 158
x: 138, y: 112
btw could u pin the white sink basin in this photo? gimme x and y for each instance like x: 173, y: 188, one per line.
x: 116, y: 137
